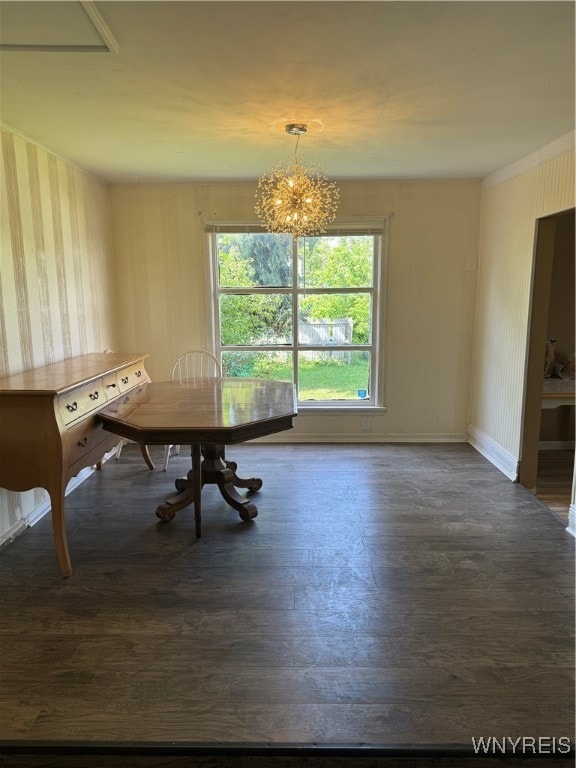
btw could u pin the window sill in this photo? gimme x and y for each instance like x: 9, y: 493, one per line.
x: 372, y: 409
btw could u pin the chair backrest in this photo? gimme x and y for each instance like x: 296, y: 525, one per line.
x: 196, y: 364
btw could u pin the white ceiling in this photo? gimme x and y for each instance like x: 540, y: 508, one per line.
x: 202, y: 90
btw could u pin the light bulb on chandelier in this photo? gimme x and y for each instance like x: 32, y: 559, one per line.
x: 295, y: 197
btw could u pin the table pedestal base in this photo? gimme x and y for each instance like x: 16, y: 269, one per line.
x: 210, y: 466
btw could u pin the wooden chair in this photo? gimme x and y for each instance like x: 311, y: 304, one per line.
x: 197, y: 363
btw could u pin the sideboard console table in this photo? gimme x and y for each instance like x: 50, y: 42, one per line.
x: 49, y: 426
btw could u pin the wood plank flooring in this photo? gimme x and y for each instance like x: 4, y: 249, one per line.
x: 554, y: 481
x: 385, y: 594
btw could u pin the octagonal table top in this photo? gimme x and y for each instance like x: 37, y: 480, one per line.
x: 202, y: 410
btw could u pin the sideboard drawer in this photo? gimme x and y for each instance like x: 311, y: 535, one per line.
x: 84, y: 437
x: 95, y: 455
x: 82, y: 401
x: 126, y: 403
x: 130, y: 377
x: 110, y: 386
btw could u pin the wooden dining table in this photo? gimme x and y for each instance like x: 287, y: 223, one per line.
x: 208, y: 414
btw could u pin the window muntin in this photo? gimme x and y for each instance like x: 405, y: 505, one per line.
x: 304, y: 311
x: 261, y: 364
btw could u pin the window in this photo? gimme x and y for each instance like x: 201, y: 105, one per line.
x: 304, y: 310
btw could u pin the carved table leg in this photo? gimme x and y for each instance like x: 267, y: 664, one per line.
x: 230, y: 464
x: 226, y: 481
x: 59, y: 529
x: 210, y: 466
x: 215, y: 469
x: 190, y: 492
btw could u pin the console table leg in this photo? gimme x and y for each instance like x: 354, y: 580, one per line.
x: 146, y: 455
x: 59, y: 529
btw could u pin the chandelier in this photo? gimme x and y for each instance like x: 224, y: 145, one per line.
x: 295, y: 197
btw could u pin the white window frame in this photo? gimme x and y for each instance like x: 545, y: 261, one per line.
x: 378, y: 228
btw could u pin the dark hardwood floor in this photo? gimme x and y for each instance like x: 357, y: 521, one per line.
x: 384, y: 595
x: 554, y: 481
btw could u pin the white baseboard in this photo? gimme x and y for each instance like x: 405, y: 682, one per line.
x: 365, y: 437
x: 496, y: 455
x: 572, y: 520
x: 12, y: 532
x: 42, y: 509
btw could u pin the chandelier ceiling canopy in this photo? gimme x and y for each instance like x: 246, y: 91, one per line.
x: 295, y: 197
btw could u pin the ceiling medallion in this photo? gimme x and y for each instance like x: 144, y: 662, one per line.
x: 295, y: 197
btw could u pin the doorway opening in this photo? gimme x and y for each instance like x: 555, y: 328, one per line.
x: 547, y: 459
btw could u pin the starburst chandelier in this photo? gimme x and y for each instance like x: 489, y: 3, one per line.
x: 295, y: 197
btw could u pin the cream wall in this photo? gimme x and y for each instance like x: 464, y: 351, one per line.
x: 65, y: 271
x: 509, y: 211
x: 54, y: 275
x: 163, y: 292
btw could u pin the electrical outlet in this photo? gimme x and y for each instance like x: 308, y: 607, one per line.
x: 366, y: 423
